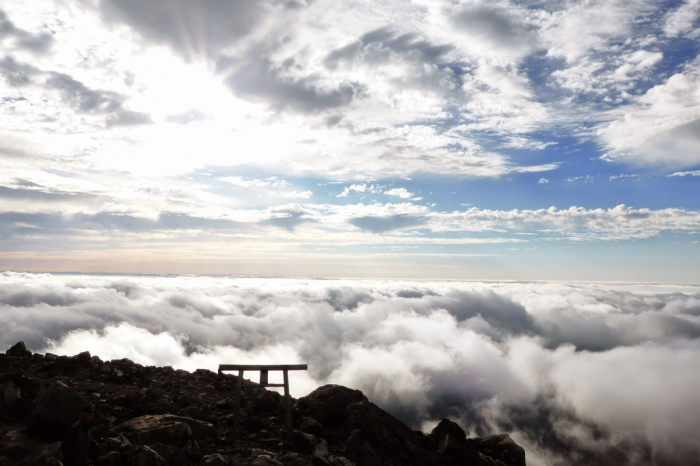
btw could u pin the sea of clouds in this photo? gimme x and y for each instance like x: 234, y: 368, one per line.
x: 578, y: 374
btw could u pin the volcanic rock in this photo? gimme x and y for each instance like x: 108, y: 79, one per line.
x: 56, y: 408
x: 153, y: 416
x: 327, y: 404
x: 19, y: 350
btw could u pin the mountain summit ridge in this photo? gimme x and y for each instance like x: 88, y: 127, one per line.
x: 156, y: 416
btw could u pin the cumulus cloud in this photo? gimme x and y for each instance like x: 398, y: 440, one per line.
x: 23, y: 39
x: 585, y: 374
x: 681, y: 20
x: 662, y: 128
x: 400, y: 192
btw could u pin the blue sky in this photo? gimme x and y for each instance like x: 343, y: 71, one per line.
x: 426, y: 139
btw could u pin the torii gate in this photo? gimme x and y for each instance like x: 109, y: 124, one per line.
x: 264, y: 369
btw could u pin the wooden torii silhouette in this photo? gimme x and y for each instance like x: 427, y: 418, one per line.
x: 264, y: 369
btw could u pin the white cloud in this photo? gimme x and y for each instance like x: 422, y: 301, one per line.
x: 688, y: 173
x: 292, y: 194
x: 543, y: 181
x: 681, y: 20
x: 661, y: 128
x: 622, y: 176
x: 360, y: 188
x: 595, y: 366
x: 400, y: 192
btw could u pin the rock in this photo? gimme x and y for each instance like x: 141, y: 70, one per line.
x: 223, y: 404
x: 113, y: 444
x: 342, y: 461
x: 10, y: 393
x: 265, y: 460
x: 95, y: 387
x: 310, y: 426
x: 360, y: 452
x: 266, y: 402
x: 327, y: 404
x: 44, y: 456
x: 83, y: 358
x: 214, y: 460
x: 303, y: 442
x: 294, y: 460
x: 56, y: 408
x: 452, y: 441
x: 252, y: 424
x: 388, y: 437
x: 147, y: 457
x: 19, y: 350
x: 16, y: 445
x: 501, y: 448
x: 149, y: 429
x: 165, y: 428
x: 113, y: 458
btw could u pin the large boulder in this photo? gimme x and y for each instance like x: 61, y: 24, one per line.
x: 358, y: 450
x: 17, y: 445
x: 214, y: 459
x: 56, y: 408
x: 500, y: 447
x: 165, y: 428
x: 46, y: 455
x: 145, y: 430
x: 451, y: 440
x: 390, y: 438
x: 19, y: 350
x: 327, y: 404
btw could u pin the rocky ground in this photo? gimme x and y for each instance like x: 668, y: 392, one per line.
x: 152, y: 416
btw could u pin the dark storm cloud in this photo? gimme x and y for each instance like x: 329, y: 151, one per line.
x: 385, y: 224
x: 495, y: 357
x: 22, y: 39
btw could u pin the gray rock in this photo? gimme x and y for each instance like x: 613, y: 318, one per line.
x: 360, y: 452
x: 56, y: 408
x: 110, y: 445
x: 501, y: 448
x: 17, y: 445
x: 145, y: 430
x: 265, y: 460
x: 19, y: 350
x: 342, y: 461
x: 328, y: 403
x: 214, y: 459
x: 10, y: 393
x: 46, y: 455
x: 303, y: 442
x: 310, y: 426
x: 113, y: 458
x: 147, y: 457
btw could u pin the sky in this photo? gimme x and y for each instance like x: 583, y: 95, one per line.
x: 577, y: 374
x: 426, y: 139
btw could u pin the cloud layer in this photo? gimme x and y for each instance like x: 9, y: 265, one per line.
x: 578, y: 374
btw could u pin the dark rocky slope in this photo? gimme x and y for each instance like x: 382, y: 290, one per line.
x: 152, y: 416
